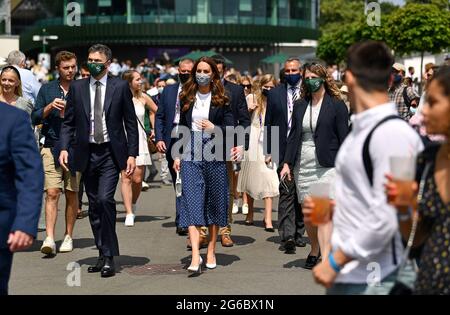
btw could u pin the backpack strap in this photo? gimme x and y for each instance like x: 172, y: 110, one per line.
x: 369, y: 166
x: 366, y: 154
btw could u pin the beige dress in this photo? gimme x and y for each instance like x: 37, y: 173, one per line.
x: 255, y: 178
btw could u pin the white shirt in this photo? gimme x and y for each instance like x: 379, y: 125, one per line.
x: 364, y: 224
x: 93, y: 87
x: 201, y: 109
x: 290, y: 104
x: 176, y: 119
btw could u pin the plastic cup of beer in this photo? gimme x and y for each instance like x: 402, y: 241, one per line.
x: 320, y: 195
x: 62, y: 111
x: 403, y: 170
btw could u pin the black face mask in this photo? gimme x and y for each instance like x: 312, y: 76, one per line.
x: 265, y: 92
x: 184, y: 77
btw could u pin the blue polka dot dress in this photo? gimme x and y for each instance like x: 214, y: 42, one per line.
x: 204, y: 199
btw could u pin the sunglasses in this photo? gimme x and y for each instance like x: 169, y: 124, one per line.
x: 247, y: 86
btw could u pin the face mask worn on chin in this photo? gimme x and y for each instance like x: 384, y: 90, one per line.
x: 293, y: 79
x: 203, y: 79
x: 184, y: 77
x: 314, y: 84
x: 95, y: 69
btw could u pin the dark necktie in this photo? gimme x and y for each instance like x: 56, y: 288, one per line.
x: 294, y: 94
x: 98, y: 114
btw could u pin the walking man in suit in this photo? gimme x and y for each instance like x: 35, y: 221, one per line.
x: 21, y: 186
x: 280, y: 106
x: 241, y: 118
x: 97, y: 110
x: 168, y: 118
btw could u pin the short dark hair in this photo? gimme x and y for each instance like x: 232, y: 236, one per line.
x: 64, y: 56
x: 371, y: 64
x: 101, y: 49
x: 84, y: 66
x: 219, y: 59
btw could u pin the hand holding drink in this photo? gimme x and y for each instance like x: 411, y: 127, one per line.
x: 403, y: 170
x: 320, y: 202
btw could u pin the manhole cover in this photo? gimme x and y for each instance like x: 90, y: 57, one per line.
x: 161, y: 269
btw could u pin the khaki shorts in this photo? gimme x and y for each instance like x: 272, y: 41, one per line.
x: 56, y: 177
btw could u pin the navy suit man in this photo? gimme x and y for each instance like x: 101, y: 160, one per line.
x: 21, y: 187
x: 97, y: 111
x: 280, y: 108
x: 241, y: 118
x: 168, y: 117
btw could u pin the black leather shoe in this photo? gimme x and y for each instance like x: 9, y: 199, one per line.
x: 98, y: 266
x: 268, y: 229
x: 108, y: 269
x: 300, y: 243
x: 311, y: 261
x: 182, y: 231
x: 289, y: 246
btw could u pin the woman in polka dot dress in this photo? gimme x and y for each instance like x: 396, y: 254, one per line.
x: 204, y: 198
x: 433, y: 231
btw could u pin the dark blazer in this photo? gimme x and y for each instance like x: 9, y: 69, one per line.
x: 119, y: 111
x: 21, y: 175
x: 276, y: 116
x: 166, y: 114
x: 239, y: 108
x: 331, y: 130
x: 221, y: 117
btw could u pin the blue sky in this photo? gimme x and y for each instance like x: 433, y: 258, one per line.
x: 394, y: 1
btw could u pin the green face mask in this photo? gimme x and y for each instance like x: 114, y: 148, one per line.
x: 314, y: 84
x: 96, y: 68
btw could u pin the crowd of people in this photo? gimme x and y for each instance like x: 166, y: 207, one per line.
x: 223, y: 137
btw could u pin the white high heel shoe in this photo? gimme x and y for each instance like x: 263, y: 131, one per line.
x: 212, y: 266
x: 196, y: 269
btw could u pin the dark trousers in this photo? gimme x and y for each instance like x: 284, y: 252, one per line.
x: 173, y: 174
x: 80, y: 192
x: 290, y: 216
x: 100, y: 180
x: 5, y: 269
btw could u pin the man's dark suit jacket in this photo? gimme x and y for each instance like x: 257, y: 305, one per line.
x: 166, y: 114
x: 120, y: 113
x: 21, y: 175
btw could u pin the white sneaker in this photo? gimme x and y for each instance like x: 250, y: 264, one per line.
x: 48, y: 247
x: 145, y: 186
x: 129, y: 220
x: 235, y: 207
x: 245, y: 208
x: 67, y: 245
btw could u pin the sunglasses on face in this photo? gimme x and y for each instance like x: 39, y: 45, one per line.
x: 247, y: 86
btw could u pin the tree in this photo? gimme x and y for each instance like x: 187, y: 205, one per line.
x: 419, y: 28
x: 441, y: 4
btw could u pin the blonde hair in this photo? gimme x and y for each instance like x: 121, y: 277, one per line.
x: 257, y: 92
x: 18, y: 91
x: 329, y: 84
x: 128, y: 76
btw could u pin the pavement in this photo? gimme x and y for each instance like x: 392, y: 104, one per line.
x: 153, y: 258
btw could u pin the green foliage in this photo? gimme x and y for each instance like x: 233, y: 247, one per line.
x: 442, y: 4
x: 412, y: 28
x: 419, y: 28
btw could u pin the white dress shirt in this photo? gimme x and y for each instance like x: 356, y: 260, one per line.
x: 364, y: 224
x: 290, y: 104
x: 176, y: 119
x: 93, y: 87
x: 201, y: 109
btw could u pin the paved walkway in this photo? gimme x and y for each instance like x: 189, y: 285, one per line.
x: 153, y: 258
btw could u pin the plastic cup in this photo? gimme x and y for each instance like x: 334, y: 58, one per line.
x: 320, y: 194
x: 403, y: 170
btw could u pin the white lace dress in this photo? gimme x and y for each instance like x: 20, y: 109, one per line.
x: 307, y: 169
x: 144, y: 157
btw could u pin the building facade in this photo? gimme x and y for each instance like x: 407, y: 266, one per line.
x: 245, y: 31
